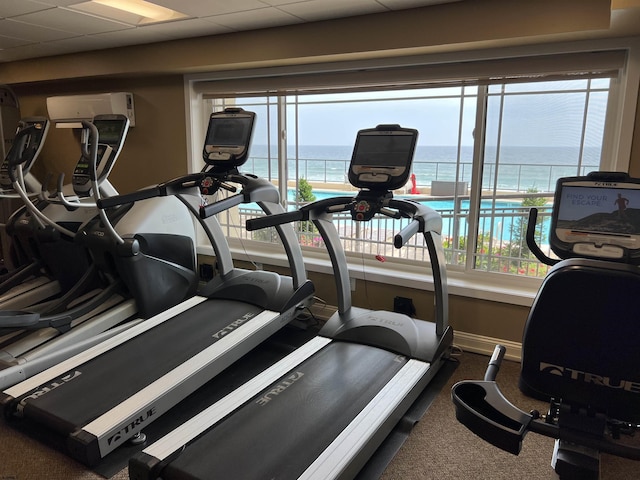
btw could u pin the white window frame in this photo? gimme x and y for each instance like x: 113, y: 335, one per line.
x: 617, y: 142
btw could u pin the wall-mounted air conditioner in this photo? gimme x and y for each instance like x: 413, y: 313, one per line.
x: 69, y: 111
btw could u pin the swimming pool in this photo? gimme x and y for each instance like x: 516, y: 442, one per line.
x: 501, y: 217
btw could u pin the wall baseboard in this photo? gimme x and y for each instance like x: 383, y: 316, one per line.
x: 468, y: 342
x: 473, y: 343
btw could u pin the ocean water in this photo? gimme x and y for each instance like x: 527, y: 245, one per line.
x: 518, y: 168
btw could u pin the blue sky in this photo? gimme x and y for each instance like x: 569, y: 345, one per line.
x: 547, y: 119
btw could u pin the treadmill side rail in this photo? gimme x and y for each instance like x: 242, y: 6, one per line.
x: 100, y: 437
x: 376, y: 420
x: 148, y: 463
x: 44, y: 377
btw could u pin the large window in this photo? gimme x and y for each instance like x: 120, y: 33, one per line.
x: 489, y: 148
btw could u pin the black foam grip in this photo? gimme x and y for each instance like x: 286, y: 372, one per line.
x: 273, y: 220
x: 129, y: 197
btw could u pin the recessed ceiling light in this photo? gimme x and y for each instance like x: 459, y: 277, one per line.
x: 133, y: 12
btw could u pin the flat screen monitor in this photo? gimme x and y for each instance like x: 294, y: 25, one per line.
x: 597, y: 217
x: 382, y: 157
x: 228, y: 137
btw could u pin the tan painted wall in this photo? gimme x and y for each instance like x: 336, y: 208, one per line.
x: 156, y: 147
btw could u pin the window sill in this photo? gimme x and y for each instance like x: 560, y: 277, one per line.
x: 485, y: 286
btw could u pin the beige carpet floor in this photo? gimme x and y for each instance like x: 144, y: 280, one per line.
x: 439, y: 448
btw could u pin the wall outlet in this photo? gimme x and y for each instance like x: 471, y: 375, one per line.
x: 206, y: 272
x: 404, y: 305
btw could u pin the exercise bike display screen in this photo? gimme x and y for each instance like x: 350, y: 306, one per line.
x: 228, y: 137
x: 382, y: 157
x: 598, y: 218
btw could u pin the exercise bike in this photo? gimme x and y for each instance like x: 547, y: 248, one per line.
x: 580, y: 343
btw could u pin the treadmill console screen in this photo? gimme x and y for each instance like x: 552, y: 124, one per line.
x: 382, y: 157
x: 596, y: 217
x: 228, y: 137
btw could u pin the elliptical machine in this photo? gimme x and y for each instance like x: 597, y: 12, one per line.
x: 44, y: 230
x: 148, y: 246
x: 580, y: 343
x: 120, y: 284
x: 22, y: 258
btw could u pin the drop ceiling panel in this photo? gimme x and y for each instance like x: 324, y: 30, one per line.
x: 194, y: 27
x: 254, y: 19
x: 69, y: 21
x: 60, y: 28
x: 11, y: 8
x: 132, y: 36
x: 59, y: 3
x: 401, y: 4
x: 33, y: 33
x: 9, y: 42
x: 207, y: 8
x: 314, y: 10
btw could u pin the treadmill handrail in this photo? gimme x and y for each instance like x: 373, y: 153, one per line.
x: 254, y: 190
x: 424, y: 219
x: 172, y: 187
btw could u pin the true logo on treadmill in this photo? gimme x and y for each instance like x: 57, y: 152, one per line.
x: 130, y: 428
x: 233, y: 325
x: 44, y: 389
x: 279, y: 388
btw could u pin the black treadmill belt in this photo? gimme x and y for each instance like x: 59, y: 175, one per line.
x: 108, y: 379
x: 278, y: 435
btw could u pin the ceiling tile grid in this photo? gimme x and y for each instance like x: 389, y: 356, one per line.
x: 35, y: 28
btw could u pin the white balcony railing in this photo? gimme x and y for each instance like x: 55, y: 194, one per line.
x: 501, y: 245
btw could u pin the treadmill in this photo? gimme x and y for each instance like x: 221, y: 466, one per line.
x: 100, y: 398
x: 323, y: 410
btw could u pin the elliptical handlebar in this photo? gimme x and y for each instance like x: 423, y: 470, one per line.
x: 15, y: 159
x: 91, y: 155
x: 89, y: 149
x: 16, y: 155
x: 89, y: 152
